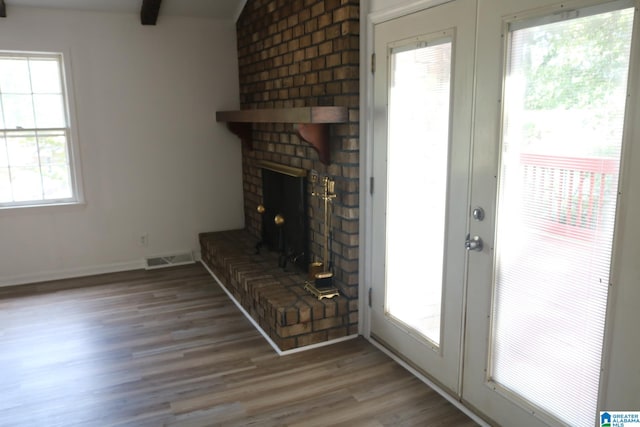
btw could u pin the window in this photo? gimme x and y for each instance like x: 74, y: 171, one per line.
x: 36, y: 156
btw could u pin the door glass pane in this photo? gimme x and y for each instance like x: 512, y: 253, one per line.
x: 418, y: 148
x: 565, y: 93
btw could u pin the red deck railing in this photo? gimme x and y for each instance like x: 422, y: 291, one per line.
x: 567, y: 193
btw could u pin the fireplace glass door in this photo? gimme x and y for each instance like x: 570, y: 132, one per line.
x: 422, y: 155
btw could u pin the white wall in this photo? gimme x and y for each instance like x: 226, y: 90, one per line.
x: 153, y: 158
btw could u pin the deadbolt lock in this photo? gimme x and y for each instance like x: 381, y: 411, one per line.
x: 478, y: 213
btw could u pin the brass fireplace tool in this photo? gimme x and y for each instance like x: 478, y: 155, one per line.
x: 320, y: 282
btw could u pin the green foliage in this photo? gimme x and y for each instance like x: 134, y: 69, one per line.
x: 577, y: 63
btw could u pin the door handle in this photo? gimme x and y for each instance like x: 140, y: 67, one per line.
x: 473, y: 243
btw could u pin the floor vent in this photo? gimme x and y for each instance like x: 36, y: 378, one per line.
x: 169, y: 260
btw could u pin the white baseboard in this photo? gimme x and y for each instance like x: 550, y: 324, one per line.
x: 263, y: 333
x: 45, y: 276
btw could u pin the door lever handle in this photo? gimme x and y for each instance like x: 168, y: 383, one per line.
x: 473, y: 243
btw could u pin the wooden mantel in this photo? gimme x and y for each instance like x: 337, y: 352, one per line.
x: 311, y: 124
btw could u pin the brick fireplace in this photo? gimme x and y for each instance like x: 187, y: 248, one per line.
x: 305, y: 53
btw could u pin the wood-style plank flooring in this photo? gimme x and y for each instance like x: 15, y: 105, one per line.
x: 168, y: 348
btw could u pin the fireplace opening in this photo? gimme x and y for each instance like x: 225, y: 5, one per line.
x: 284, y: 214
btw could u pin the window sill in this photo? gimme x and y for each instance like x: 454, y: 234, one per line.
x: 43, y: 206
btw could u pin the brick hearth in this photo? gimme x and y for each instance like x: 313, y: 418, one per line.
x: 275, y: 298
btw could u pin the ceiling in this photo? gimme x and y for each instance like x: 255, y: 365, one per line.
x: 219, y: 9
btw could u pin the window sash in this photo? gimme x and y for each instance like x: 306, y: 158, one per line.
x: 43, y: 162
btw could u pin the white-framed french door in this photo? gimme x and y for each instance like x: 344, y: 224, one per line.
x: 547, y: 111
x: 546, y: 167
x: 423, y: 91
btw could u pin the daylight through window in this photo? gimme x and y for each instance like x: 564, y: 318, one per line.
x: 35, y: 151
x: 564, y: 112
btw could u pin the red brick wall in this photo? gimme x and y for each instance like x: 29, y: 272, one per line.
x: 300, y: 53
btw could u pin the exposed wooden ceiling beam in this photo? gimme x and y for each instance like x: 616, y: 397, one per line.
x: 149, y: 11
x: 3, y: 9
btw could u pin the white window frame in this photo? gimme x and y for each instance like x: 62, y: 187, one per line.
x: 70, y: 131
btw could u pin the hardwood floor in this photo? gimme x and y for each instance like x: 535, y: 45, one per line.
x: 168, y: 348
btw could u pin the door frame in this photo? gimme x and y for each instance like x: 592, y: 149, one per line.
x: 619, y: 352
